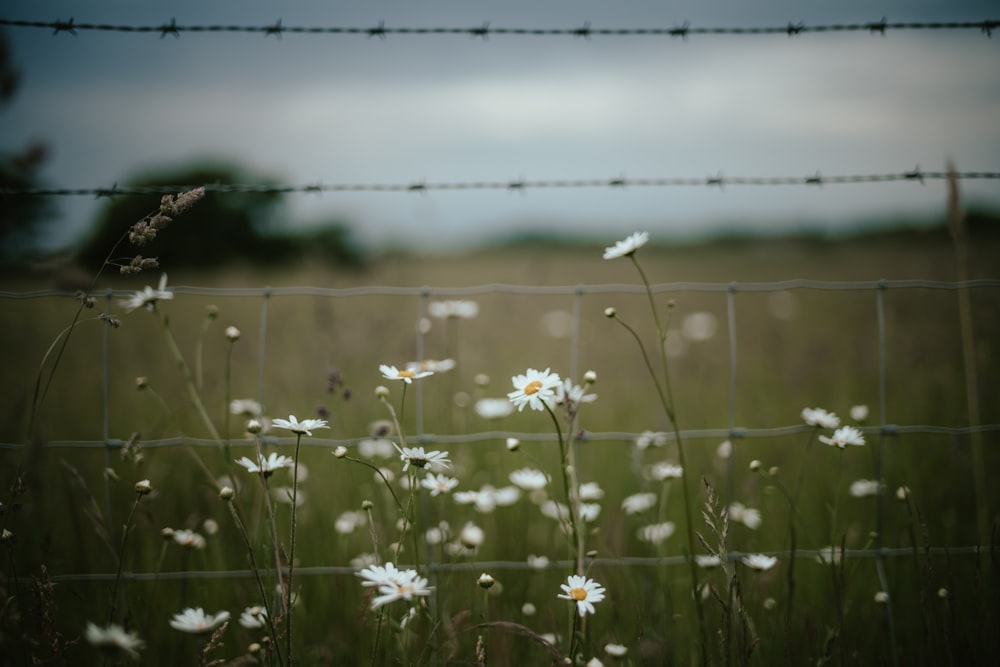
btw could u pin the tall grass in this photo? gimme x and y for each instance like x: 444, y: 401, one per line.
x: 800, y: 348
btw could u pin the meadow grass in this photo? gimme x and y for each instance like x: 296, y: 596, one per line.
x: 794, y: 348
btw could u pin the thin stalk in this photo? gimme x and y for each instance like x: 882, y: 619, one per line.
x: 571, y: 494
x: 291, y: 552
x: 121, y: 558
x: 256, y: 574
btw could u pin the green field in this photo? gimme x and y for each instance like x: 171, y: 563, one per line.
x: 794, y: 347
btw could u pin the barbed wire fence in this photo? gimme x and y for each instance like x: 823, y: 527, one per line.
x: 883, y: 430
x: 485, y: 30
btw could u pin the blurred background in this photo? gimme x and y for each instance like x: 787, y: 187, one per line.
x: 99, y: 108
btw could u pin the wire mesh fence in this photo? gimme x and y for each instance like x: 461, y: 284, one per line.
x: 880, y: 431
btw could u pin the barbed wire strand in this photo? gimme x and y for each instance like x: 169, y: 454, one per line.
x: 485, y: 30
x: 520, y: 185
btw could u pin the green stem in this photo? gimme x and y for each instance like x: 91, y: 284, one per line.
x: 256, y: 573
x: 571, y: 494
x: 121, y: 559
x: 291, y: 551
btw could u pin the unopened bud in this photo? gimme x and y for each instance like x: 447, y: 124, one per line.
x: 609, y: 312
x: 486, y: 581
x: 340, y: 452
x: 381, y: 392
x: 232, y: 333
x: 226, y: 493
x: 143, y: 487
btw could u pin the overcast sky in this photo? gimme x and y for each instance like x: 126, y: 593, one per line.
x: 337, y: 109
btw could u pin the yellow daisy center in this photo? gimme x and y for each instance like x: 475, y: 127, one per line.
x: 532, y: 387
x: 578, y: 594
x: 406, y: 374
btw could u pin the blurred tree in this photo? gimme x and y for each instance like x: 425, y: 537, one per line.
x: 222, y: 227
x: 21, y: 217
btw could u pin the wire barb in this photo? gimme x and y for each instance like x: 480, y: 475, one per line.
x: 170, y: 29
x: 64, y: 26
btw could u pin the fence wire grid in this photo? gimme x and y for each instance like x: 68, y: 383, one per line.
x: 881, y: 431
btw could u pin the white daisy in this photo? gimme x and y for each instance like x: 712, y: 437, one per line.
x: 418, y: 458
x: 471, y: 536
x: 865, y: 487
x: 453, y: 308
x: 379, y: 575
x: 648, y: 439
x: 493, y: 408
x: 859, y: 413
x: 300, y: 427
x: 147, y: 296
x: 253, y: 617
x: 707, y: 561
x: 820, y: 417
x: 639, y: 502
x: 529, y: 479
x: 759, y: 561
x: 406, y: 587
x: 662, y: 470
x: 828, y: 555
x: 113, y: 639
x: 657, y: 532
x: 573, y: 393
x: 350, y: 521
x: 196, y: 621
x: 431, y: 365
x: 615, y: 650
x: 628, y: 246
x: 189, y: 538
x: 590, y: 511
x: 843, y: 436
x: 534, y: 388
x: 267, y: 466
x: 438, y: 484
x: 591, y: 491
x: 407, y: 376
x: 585, y: 592
x: 246, y: 407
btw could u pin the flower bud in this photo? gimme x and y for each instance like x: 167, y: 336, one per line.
x: 609, y: 312
x: 340, y: 452
x: 226, y: 493
x: 486, y: 581
x: 232, y: 333
x: 381, y: 392
x: 254, y: 426
x: 755, y: 465
x: 513, y: 444
x: 143, y: 487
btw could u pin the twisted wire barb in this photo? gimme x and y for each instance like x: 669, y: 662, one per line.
x: 719, y: 181
x: 484, y: 31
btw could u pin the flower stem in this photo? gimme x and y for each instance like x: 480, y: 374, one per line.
x: 291, y: 552
x: 121, y: 559
x: 572, y: 496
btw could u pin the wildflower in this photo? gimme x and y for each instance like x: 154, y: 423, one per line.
x: 638, y: 503
x: 585, y: 592
x: 143, y: 487
x: 267, y: 466
x: 657, y: 532
x: 453, y: 309
x: 472, y: 536
x: 647, y: 439
x: 590, y: 511
x: 724, y: 450
x: 493, y: 408
x: 755, y: 465
x: 407, y: 376
x: 114, y: 640
x: 226, y: 493
x: 770, y: 604
x: 700, y: 326
x: 902, y: 493
x: 232, y: 334
x: 210, y: 526
x: 381, y: 392
x: 759, y: 561
x: 829, y: 555
x: 147, y: 296
x: 555, y: 510
x: 628, y: 246
x: 431, y: 365
x: 486, y: 581
x: 340, y: 452
x: 246, y: 407
x: 197, y: 622
x: 865, y: 487
x: 615, y: 650
x: 820, y: 417
x: 188, y: 538
x: 859, y: 413
x: 254, y: 427
x: 748, y: 516
x: 513, y: 444
x: 528, y: 609
x: 348, y: 521
x: 299, y: 427
x: 529, y: 479
x: 594, y: 662
x: 665, y: 470
x: 408, y: 585
x: 881, y: 597
x: 378, y: 575
x: 572, y: 394
x: 534, y: 388
x: 707, y: 561
x: 538, y: 562
x: 843, y: 436
x: 609, y: 312
x: 253, y: 617
x: 419, y: 458
x: 591, y: 491
x: 438, y: 484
